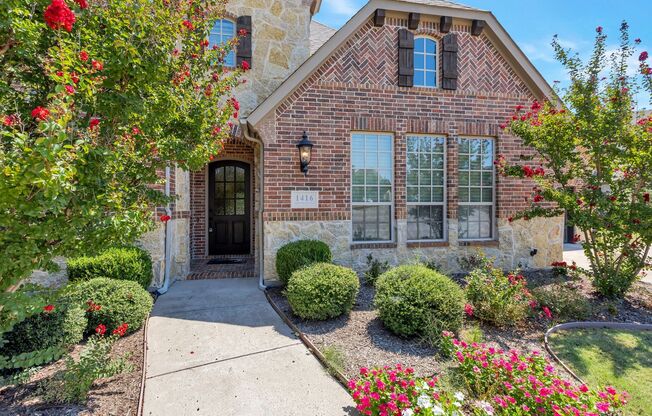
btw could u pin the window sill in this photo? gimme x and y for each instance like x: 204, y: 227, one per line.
x: 361, y: 246
x: 480, y: 243
x: 426, y: 244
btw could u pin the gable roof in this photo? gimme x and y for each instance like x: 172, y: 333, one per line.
x: 494, y: 30
x: 319, y: 34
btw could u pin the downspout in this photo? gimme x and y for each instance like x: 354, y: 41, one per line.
x: 259, y: 230
x: 168, y: 238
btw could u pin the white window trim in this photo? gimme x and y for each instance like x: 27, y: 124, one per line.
x: 425, y: 55
x: 221, y: 35
x: 443, y: 204
x: 391, y: 204
x: 493, y: 190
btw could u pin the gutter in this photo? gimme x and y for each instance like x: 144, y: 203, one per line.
x: 168, y: 238
x: 255, y: 138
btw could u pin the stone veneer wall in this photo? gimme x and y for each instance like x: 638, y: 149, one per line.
x: 281, y: 43
x: 516, y: 240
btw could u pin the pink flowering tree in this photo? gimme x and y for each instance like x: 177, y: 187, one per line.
x: 592, y: 161
x: 96, y: 99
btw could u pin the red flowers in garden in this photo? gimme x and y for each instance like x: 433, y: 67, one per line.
x: 165, y: 218
x: 92, y: 306
x: 188, y: 25
x: 97, y: 65
x: 70, y: 89
x: 58, y: 15
x: 528, y: 172
x: 93, y: 123
x: 40, y: 113
x: 468, y: 309
x: 9, y: 120
x: 121, y: 330
x: 245, y: 66
x: 83, y: 55
x: 101, y: 329
x: 48, y: 308
x: 83, y: 4
x: 643, y: 56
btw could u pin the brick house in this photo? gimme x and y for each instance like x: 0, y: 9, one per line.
x: 402, y: 105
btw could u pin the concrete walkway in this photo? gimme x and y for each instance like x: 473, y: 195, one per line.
x: 575, y: 253
x: 216, y: 347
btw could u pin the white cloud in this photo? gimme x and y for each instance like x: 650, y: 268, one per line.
x: 341, y: 7
x: 541, y: 50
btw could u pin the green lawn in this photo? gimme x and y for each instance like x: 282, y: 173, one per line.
x: 604, y: 357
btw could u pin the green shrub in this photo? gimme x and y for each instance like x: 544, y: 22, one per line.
x: 497, y: 298
x: 374, y: 269
x: 414, y: 300
x: 322, y: 291
x: 122, y: 263
x: 62, y: 327
x: 298, y: 254
x: 121, y: 301
x: 564, y: 301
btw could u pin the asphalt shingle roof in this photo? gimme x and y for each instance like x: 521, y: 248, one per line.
x: 319, y: 34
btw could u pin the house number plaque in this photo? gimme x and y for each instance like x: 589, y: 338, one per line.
x: 305, y: 199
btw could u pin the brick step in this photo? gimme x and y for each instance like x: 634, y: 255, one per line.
x: 216, y: 275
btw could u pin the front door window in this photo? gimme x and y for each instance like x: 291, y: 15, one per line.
x: 229, y: 205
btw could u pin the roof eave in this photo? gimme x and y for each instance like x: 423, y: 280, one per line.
x: 494, y: 30
x: 316, y: 5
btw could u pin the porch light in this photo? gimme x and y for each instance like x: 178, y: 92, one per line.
x: 305, y: 152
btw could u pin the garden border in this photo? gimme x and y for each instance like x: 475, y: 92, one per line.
x: 588, y: 325
x: 141, y: 399
x: 306, y: 341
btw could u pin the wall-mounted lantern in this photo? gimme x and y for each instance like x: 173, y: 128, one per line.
x: 305, y: 153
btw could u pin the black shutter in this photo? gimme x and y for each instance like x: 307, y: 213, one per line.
x: 449, y: 62
x: 245, y: 50
x: 405, y: 58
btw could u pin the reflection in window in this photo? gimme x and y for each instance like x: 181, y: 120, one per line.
x: 371, y: 190
x: 222, y: 32
x: 476, y: 189
x: 230, y: 190
x: 426, y: 177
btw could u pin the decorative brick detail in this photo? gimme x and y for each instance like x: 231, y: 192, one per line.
x: 426, y: 244
x: 364, y: 246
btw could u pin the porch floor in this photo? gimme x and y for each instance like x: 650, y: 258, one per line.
x: 201, y: 270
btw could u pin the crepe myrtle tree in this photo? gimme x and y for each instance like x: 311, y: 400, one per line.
x: 592, y: 160
x: 96, y: 99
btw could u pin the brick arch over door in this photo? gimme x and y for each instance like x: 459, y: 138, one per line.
x: 235, y: 149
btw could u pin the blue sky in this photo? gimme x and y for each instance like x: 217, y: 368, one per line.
x: 532, y: 24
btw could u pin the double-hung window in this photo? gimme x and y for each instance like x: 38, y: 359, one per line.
x: 222, y: 32
x: 476, y: 189
x: 372, y: 177
x: 425, y: 62
x: 426, y: 191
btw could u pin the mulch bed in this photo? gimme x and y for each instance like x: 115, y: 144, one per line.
x: 364, y: 342
x: 117, y: 395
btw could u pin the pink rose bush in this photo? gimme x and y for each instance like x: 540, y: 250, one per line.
x: 397, y: 391
x: 511, y: 383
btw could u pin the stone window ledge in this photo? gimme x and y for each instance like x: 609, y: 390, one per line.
x: 426, y: 244
x: 360, y: 246
x: 480, y: 243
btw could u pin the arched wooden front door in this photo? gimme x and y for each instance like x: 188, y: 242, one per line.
x: 229, y: 204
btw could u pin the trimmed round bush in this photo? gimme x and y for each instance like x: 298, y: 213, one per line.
x: 293, y: 256
x: 62, y: 327
x: 322, y: 291
x: 122, y: 263
x: 121, y: 301
x: 415, y: 300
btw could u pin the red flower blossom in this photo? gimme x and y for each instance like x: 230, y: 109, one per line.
x: 536, y: 106
x: 9, y: 120
x: 646, y: 197
x: 204, y: 43
x: 121, y: 330
x: 97, y: 65
x: 188, y: 25
x: 83, y: 4
x: 547, y: 312
x: 48, y: 308
x: 165, y: 218
x: 242, y: 32
x: 637, y: 40
x: 519, y: 107
x: 538, y: 198
x: 245, y: 66
x: 468, y: 309
x: 101, y: 329
x: 576, y: 238
x: 83, y: 55
x: 58, y: 15
x: 510, y: 219
x: 598, y: 29
x: 93, y: 123
x: 643, y: 56
x: 70, y: 89
x: 92, y: 306
x: 40, y: 113
x: 234, y: 103
x: 503, y: 126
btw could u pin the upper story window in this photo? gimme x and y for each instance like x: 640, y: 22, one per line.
x: 425, y: 62
x: 372, y: 172
x: 476, y: 189
x: 222, y: 32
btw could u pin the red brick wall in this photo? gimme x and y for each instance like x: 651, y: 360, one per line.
x: 234, y: 149
x: 356, y: 90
